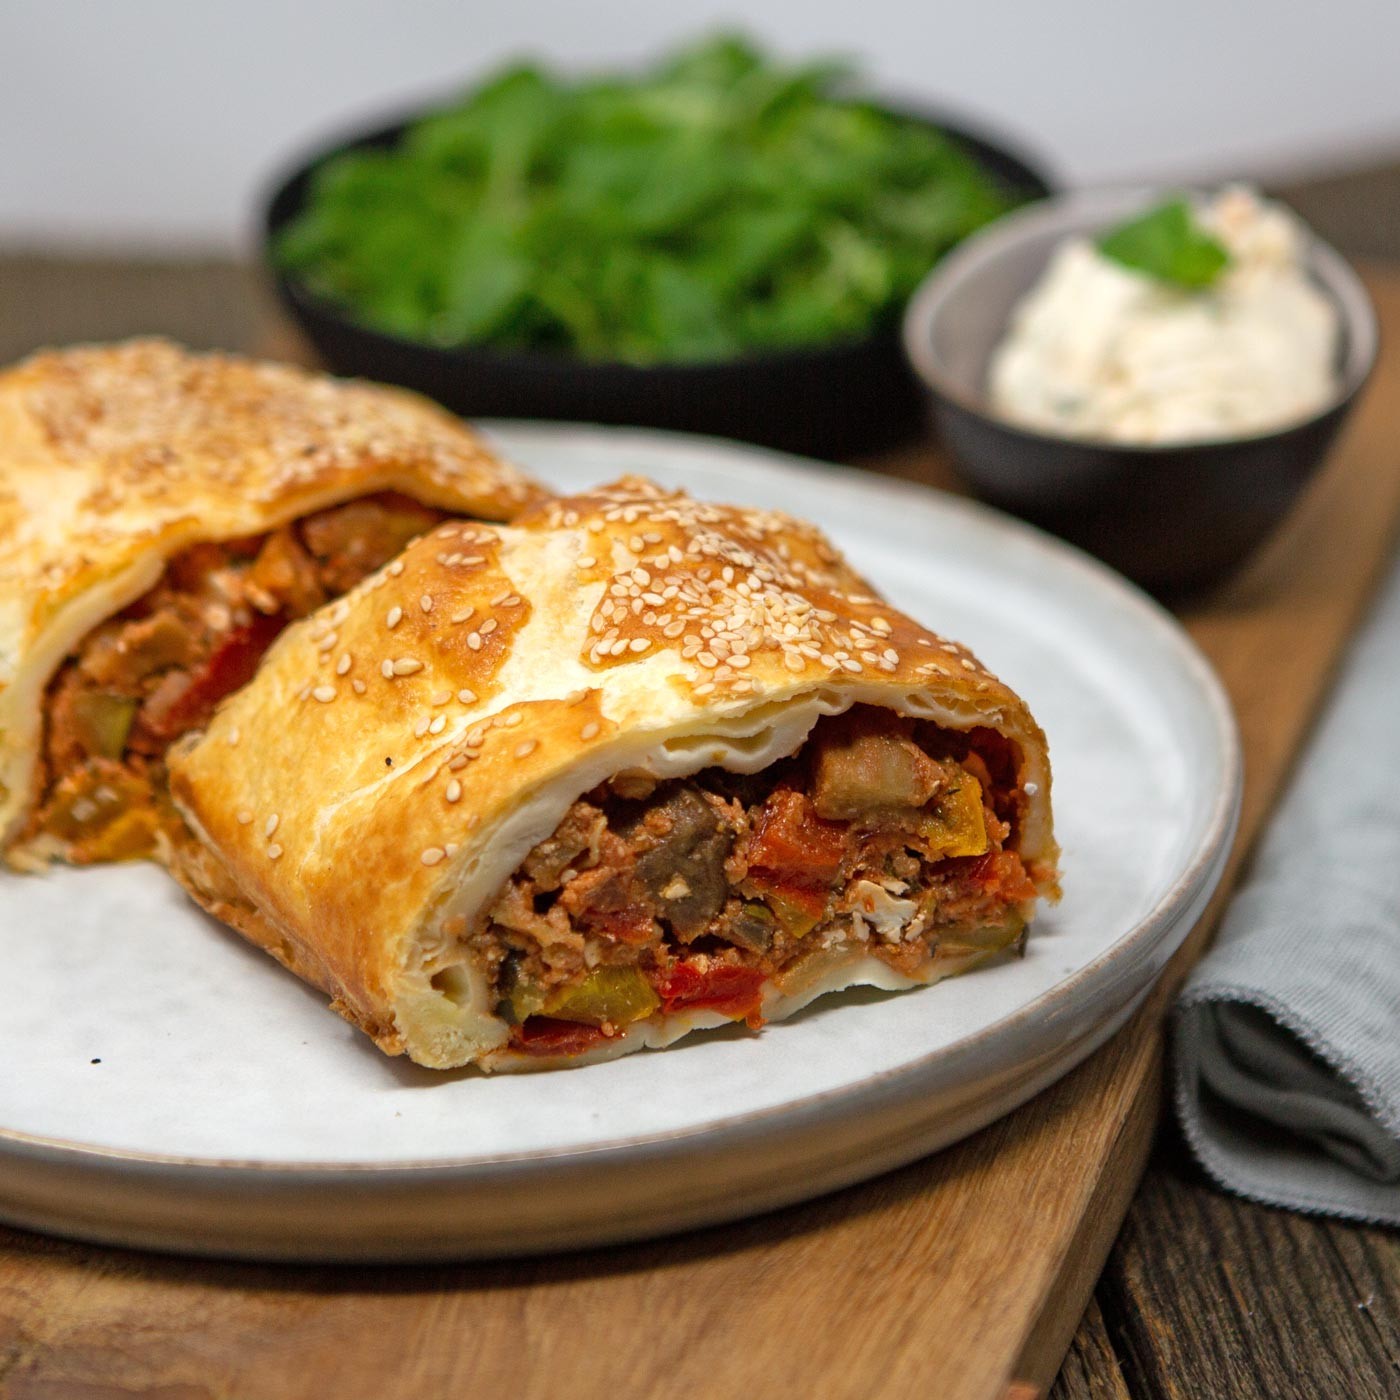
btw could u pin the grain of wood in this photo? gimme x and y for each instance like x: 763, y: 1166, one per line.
x: 1208, y: 1295
x: 953, y: 1277
x: 1090, y: 1370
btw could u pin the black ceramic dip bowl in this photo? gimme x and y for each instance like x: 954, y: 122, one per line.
x: 1172, y: 517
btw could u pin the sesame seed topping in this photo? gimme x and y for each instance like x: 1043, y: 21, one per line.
x: 395, y: 569
x: 271, y: 825
x: 433, y: 855
x: 343, y: 665
x: 467, y: 697
x: 406, y: 666
x: 324, y: 693
x: 395, y: 617
x: 474, y: 640
x: 590, y: 730
x: 438, y: 725
x: 421, y: 728
x: 458, y: 763
x: 274, y: 852
x: 234, y: 737
x: 488, y: 626
x: 358, y: 686
x: 463, y: 616
x: 441, y: 697
x: 426, y: 603
x: 245, y: 818
x: 640, y: 644
x: 454, y: 791
x: 525, y: 749
x: 587, y: 561
x: 510, y: 721
x: 386, y: 670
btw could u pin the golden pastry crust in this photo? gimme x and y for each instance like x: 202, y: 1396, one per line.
x: 114, y: 458
x: 399, y: 753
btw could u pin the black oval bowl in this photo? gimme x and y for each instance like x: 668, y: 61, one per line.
x: 1174, y: 518
x: 827, y: 400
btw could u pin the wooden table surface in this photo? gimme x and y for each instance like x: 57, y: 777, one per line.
x: 961, y: 1276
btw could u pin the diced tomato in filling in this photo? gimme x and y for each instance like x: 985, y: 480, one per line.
x: 736, y: 992
x: 1001, y: 873
x: 543, y: 1035
x: 230, y: 667
x: 795, y: 845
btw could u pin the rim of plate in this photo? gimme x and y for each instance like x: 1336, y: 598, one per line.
x: 905, y: 1078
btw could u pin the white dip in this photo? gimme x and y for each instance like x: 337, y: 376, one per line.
x: 1098, y: 350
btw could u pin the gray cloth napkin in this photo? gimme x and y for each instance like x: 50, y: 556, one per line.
x: 1287, y: 1034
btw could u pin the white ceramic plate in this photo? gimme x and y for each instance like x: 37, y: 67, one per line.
x: 166, y: 1085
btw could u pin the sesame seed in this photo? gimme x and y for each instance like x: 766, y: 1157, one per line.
x: 324, y: 693
x: 640, y: 644
x: 590, y: 730
x: 525, y: 749
x: 587, y: 561
x: 274, y: 852
x: 245, y: 818
x: 510, y: 721
x: 441, y: 697
x: 395, y: 616
x: 426, y: 603
x: 438, y: 725
x: 454, y: 791
x: 467, y: 697
x: 421, y: 728
x: 406, y: 666
x: 386, y: 670
x: 704, y: 689
x: 460, y: 617
x: 433, y: 855
x: 343, y: 665
x: 474, y: 640
x: 395, y: 569
x: 488, y: 626
x: 358, y: 686
x: 459, y: 762
x: 234, y: 737
x: 1031, y: 789
x: 271, y: 825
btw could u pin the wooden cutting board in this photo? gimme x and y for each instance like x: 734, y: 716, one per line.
x: 961, y: 1277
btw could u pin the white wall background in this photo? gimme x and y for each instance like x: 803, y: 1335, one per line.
x: 155, y: 123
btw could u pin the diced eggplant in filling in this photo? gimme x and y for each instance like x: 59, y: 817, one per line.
x: 157, y: 670
x: 886, y: 833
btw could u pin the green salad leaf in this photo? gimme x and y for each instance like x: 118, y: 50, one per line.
x: 718, y: 203
x: 1169, y: 245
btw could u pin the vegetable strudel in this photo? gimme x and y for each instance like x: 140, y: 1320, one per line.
x: 544, y: 793
x: 162, y: 516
